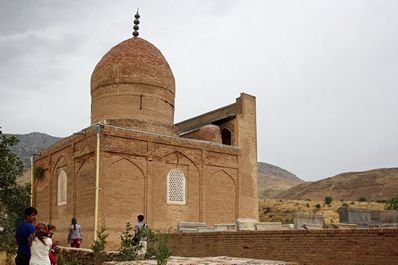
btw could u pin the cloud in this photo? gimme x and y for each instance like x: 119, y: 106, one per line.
x: 323, y: 72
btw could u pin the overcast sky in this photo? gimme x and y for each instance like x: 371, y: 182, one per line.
x: 325, y: 73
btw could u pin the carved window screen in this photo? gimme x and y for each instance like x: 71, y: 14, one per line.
x: 176, y: 187
x: 62, y: 184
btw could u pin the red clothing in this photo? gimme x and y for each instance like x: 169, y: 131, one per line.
x: 53, y: 258
x: 75, y: 243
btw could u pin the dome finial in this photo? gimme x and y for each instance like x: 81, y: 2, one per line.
x: 136, y: 22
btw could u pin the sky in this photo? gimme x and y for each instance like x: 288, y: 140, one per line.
x: 324, y: 73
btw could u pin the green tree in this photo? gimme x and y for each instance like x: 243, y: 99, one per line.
x: 328, y: 200
x: 14, y: 198
x: 392, y: 204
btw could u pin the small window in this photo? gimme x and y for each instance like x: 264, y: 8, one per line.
x: 175, y: 187
x: 226, y: 136
x: 62, y: 181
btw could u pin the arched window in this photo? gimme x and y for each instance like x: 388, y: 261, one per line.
x: 226, y: 136
x: 176, y: 187
x: 62, y: 181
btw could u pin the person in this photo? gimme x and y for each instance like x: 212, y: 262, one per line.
x: 140, y: 235
x: 75, y: 234
x: 40, y: 246
x: 23, y: 235
x: 54, y: 247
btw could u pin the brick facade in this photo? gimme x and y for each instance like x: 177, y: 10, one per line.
x: 308, y: 247
x: 133, y: 99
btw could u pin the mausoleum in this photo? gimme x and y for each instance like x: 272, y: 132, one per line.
x: 133, y: 159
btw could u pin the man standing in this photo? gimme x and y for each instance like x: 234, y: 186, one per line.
x: 140, y: 236
x: 24, y: 231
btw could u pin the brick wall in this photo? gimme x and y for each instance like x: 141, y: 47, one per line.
x: 308, y: 247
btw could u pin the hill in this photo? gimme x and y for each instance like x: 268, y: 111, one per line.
x: 30, y: 144
x: 273, y: 180
x: 277, y: 210
x: 376, y: 184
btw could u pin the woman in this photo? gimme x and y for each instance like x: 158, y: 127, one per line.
x: 75, y: 234
x: 40, y: 246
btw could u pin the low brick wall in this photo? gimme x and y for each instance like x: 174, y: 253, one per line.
x: 308, y: 247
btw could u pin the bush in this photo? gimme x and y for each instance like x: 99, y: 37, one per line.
x: 317, y: 207
x: 362, y: 199
x: 328, y: 200
x: 392, y: 204
x: 159, y: 248
x: 98, y: 247
x: 267, y: 210
x: 128, y: 248
x: 345, y: 204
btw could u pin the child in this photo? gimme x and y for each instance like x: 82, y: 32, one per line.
x: 75, y: 234
x: 54, y: 248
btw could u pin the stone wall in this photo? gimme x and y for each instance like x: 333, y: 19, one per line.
x: 308, y: 247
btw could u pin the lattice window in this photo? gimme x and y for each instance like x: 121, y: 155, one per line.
x: 175, y: 187
x: 62, y: 184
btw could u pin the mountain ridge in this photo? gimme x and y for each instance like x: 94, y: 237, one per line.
x: 375, y: 184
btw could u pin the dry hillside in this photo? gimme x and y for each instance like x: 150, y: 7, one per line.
x: 273, y: 180
x: 276, y: 210
x: 377, y: 184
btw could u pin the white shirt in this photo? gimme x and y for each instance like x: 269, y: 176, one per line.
x: 75, y: 233
x: 39, y: 252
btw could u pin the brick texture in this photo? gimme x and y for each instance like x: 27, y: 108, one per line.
x: 308, y: 247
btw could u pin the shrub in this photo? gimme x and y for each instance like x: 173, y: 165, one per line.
x: 159, y: 247
x: 362, y: 199
x: 98, y: 247
x: 328, y: 200
x: 128, y: 249
x: 392, y: 204
x: 38, y: 172
x: 345, y: 204
x: 267, y: 210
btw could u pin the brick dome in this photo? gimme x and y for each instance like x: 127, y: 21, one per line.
x: 133, y: 86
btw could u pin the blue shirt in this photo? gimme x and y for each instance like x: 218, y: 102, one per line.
x: 24, y: 229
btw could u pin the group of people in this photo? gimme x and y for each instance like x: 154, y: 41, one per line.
x: 35, y: 244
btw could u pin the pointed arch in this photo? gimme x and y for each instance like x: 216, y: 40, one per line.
x: 84, y: 195
x: 129, y: 160
x: 62, y: 188
x: 178, y: 153
x: 59, y: 160
x: 220, y: 193
x: 124, y: 188
x: 226, y: 173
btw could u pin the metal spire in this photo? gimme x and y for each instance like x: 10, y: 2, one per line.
x: 136, y: 23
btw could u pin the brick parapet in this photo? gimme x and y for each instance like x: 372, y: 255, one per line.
x: 309, y: 247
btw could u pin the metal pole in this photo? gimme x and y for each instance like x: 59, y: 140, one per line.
x: 98, y: 130
x: 31, y: 180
